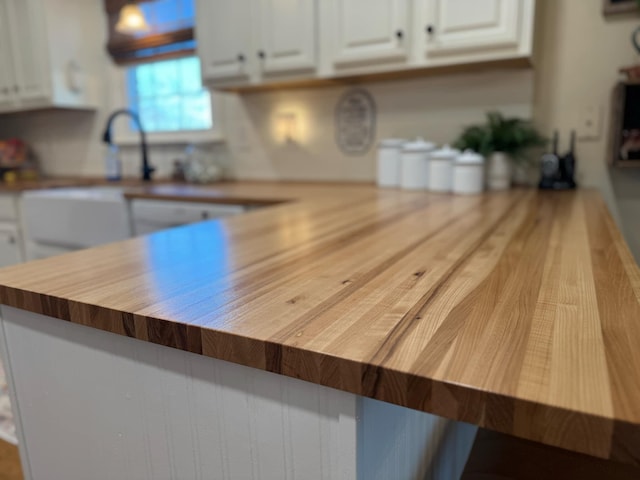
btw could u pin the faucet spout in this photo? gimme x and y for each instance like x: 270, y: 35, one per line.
x: 147, y: 169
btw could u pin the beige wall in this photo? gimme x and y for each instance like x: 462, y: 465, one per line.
x: 435, y: 108
x: 578, y: 53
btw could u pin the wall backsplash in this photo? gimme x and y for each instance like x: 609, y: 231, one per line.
x: 434, y: 107
x: 69, y: 142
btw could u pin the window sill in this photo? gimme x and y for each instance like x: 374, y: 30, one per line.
x: 171, y: 138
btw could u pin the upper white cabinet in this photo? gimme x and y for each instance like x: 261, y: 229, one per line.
x: 246, y: 41
x: 367, y: 31
x: 465, y: 26
x: 286, y: 35
x: 47, y: 58
x: 255, y: 42
x: 30, y: 62
x: 7, y: 81
x: 224, y: 38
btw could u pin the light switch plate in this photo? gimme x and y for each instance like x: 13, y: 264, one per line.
x: 589, y: 123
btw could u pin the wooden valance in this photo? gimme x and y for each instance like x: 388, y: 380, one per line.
x: 130, y: 49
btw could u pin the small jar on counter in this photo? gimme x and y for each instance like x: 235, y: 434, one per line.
x: 389, y: 162
x: 441, y: 169
x: 468, y: 173
x: 414, y: 170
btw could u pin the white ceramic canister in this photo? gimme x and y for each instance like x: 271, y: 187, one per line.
x: 498, y: 171
x: 468, y: 173
x: 389, y: 151
x: 441, y: 169
x: 414, y: 169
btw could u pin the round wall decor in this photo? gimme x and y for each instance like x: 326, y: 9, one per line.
x: 355, y: 122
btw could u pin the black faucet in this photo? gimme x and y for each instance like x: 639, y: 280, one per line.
x: 147, y: 169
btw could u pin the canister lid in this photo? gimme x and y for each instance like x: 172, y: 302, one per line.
x: 392, y: 142
x: 469, y: 157
x: 418, y: 145
x: 445, y: 153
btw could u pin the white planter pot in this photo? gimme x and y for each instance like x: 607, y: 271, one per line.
x: 499, y: 171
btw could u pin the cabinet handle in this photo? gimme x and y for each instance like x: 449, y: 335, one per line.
x: 5, y: 90
x: 12, y: 240
x: 16, y: 88
x: 399, y: 34
x: 240, y: 57
x: 430, y: 29
x: 261, y: 54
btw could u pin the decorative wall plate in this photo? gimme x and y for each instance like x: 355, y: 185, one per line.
x: 355, y: 122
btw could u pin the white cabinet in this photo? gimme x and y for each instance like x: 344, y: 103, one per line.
x: 286, y: 39
x: 367, y: 31
x: 244, y: 41
x: 7, y: 81
x: 258, y: 42
x: 30, y: 62
x: 47, y: 58
x: 10, y: 252
x: 11, y: 248
x: 224, y: 38
x: 153, y: 215
x: 465, y: 26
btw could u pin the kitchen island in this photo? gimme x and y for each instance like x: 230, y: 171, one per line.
x: 308, y: 338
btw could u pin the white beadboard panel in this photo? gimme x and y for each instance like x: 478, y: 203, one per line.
x: 102, y: 406
x: 94, y: 405
x: 399, y: 443
x: 26, y: 469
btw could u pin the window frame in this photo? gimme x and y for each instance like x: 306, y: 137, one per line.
x: 124, y: 135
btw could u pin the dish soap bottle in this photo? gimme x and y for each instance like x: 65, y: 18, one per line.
x: 113, y: 164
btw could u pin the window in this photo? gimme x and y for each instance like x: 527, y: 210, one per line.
x: 169, y: 96
x: 161, y: 72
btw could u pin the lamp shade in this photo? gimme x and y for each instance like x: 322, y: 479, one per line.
x: 131, y: 20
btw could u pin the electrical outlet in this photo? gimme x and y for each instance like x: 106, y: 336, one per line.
x: 589, y: 124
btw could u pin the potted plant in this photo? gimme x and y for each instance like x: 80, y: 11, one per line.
x: 504, y: 142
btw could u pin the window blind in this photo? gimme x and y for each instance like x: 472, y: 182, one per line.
x: 171, y: 34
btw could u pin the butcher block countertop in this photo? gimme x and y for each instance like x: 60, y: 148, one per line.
x: 63, y: 182
x: 518, y: 311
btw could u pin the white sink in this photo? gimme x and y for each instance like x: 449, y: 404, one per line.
x: 74, y: 218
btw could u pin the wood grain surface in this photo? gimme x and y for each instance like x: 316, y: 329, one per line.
x: 517, y: 311
x: 62, y: 182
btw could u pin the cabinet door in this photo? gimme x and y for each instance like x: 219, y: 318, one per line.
x: 29, y: 48
x: 7, y: 81
x: 9, y: 249
x: 368, y: 31
x: 469, y: 25
x: 287, y: 35
x: 223, y: 30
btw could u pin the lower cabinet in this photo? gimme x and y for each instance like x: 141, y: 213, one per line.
x: 10, y: 247
x: 133, y: 409
x: 154, y: 215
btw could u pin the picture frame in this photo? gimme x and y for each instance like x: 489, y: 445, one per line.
x: 624, y: 137
x: 614, y: 7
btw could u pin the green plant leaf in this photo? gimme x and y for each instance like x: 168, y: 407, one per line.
x: 513, y: 136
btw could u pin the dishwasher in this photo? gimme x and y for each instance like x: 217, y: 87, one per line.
x: 153, y: 215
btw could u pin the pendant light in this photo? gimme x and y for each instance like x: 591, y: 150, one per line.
x: 131, y: 20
